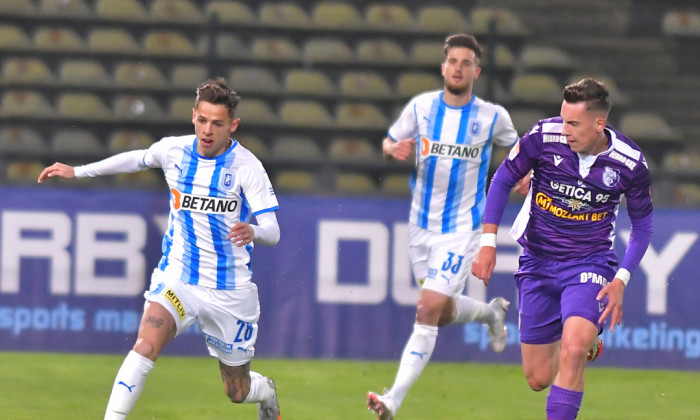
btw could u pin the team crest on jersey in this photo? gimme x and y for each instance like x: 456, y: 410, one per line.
x: 610, y: 176
x: 475, y: 127
x: 226, y: 180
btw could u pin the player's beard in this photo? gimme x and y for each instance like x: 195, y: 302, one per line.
x: 457, y: 90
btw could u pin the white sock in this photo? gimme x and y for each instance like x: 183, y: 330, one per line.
x: 415, y: 356
x: 260, y: 389
x: 128, y: 385
x: 469, y: 310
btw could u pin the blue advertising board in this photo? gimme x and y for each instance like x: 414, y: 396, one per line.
x: 74, y: 265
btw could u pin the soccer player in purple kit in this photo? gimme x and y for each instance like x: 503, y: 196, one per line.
x: 568, y: 278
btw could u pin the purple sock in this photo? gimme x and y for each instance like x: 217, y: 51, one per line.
x: 563, y: 404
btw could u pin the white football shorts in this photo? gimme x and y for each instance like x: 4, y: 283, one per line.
x: 228, y: 318
x: 442, y: 260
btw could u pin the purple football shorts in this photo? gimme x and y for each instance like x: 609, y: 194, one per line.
x: 549, y: 292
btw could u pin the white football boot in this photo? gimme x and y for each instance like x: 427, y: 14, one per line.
x: 270, y: 409
x: 498, y: 333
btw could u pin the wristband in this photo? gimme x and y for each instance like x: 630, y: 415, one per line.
x: 624, y: 275
x: 488, y: 239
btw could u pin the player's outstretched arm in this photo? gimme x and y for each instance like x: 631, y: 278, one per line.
x: 57, y: 169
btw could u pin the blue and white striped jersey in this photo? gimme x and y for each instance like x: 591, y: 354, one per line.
x: 453, y: 151
x: 207, y: 197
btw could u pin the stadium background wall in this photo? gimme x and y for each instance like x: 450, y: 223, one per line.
x: 75, y: 264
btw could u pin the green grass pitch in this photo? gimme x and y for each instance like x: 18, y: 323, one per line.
x: 73, y: 386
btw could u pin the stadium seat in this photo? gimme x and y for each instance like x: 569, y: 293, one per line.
x: 58, y: 39
x: 226, y: 46
x: 175, y: 10
x: 13, y: 37
x: 120, y: 10
x: 26, y: 70
x: 168, y: 43
x: 683, y: 161
x: 360, y: 115
x: 312, y: 82
x: 21, y: 140
x: 283, y: 13
x: 411, y: 83
x: 390, y: 17
x: 125, y: 140
x: 427, y: 53
x: 502, y: 55
x: 83, y: 72
x: 255, y: 145
x: 296, y: 148
x: 230, y: 11
x: 256, y: 111
x: 380, y: 51
x: 525, y: 119
x: 305, y: 113
x: 335, y: 14
x: 275, y: 49
x: 25, y: 103
x: 442, y: 19
x: 188, y: 75
x: 536, y: 88
x: 64, y: 8
x: 82, y: 105
x: 295, y: 181
x: 18, y: 7
x: 24, y: 172
x: 364, y: 84
x: 253, y: 79
x: 354, y: 183
x: 507, y: 22
x: 681, y: 23
x: 545, y: 58
x: 77, y: 143
x: 112, y: 40
x: 646, y: 126
x: 352, y: 149
x: 396, y: 184
x: 180, y: 108
x: 327, y: 50
x: 137, y: 107
x: 139, y: 74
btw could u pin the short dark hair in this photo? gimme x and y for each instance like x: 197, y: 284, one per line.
x: 464, y: 41
x: 593, y: 92
x: 217, y: 92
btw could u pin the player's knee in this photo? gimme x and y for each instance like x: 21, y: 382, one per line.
x: 538, y: 384
x: 146, y: 349
x: 235, y: 395
x: 572, y: 353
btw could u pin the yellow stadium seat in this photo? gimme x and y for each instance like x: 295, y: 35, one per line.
x: 296, y: 148
x: 13, y: 37
x: 125, y: 140
x: 305, y: 113
x: 254, y: 144
x: 687, y: 194
x: 18, y: 7
x: 78, y: 143
x: 360, y: 115
x: 226, y: 46
x: 137, y: 107
x: 83, y: 72
x: 411, y: 83
x: 169, y: 43
x: 122, y: 9
x: 283, y: 13
x: 427, y: 52
x: 442, y: 19
x: 538, y: 57
x: 537, y: 88
x: 26, y: 70
x: 180, y: 108
x: 354, y: 183
x: 295, y: 181
x: 82, y: 105
x: 229, y: 11
x: 313, y: 82
x: 58, y: 39
x: 188, y: 75
x: 646, y: 126
x: 336, y: 14
x: 389, y: 17
x: 681, y: 23
x: 25, y: 103
x: 380, y: 51
x: 275, y: 49
x: 112, y: 40
x: 139, y: 74
x: 364, y: 84
x: 21, y: 140
x: 507, y: 22
x: 256, y: 111
x: 396, y: 184
x: 253, y: 79
x: 323, y: 50
x: 64, y: 8
x: 175, y: 10
x: 352, y: 149
x: 24, y: 172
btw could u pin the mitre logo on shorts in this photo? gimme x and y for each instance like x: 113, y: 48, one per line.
x: 455, y: 151
x: 203, y: 204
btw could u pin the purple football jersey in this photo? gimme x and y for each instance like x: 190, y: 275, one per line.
x: 573, y: 201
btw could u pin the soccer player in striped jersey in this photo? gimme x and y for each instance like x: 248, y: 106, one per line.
x: 568, y: 278
x: 216, y: 185
x: 451, y: 132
